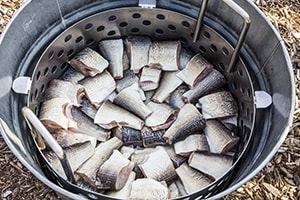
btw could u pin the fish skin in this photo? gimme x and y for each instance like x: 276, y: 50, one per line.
x: 184, y: 57
x: 189, y: 120
x: 152, y: 138
x: 137, y: 48
x: 129, y: 78
x: 116, y: 116
x: 87, y: 108
x: 130, y: 99
x: 129, y: 136
x: 192, y: 180
x: 175, y: 99
x: 165, y: 54
x: 218, y: 105
x: 150, y: 78
x: 148, y: 189
x: 169, y: 82
x: 195, y: 142
x: 99, y: 87
x: 72, y: 75
x: 88, y: 170
x: 214, y: 165
x: 113, y: 50
x: 115, y: 171
x: 220, y: 139
x: 210, y: 83
x: 196, y: 69
x: 89, y: 62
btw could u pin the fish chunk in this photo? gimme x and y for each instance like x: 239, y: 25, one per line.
x: 110, y: 115
x: 131, y: 100
x: 195, y: 142
x: 220, y: 139
x: 87, y: 108
x: 129, y: 78
x: 189, y: 121
x: 72, y: 75
x: 175, y: 99
x: 99, y: 87
x: 176, y: 159
x: 218, y: 105
x: 115, y: 172
x: 113, y: 50
x: 213, y: 81
x: 196, y: 69
x: 66, y: 138
x: 88, y: 170
x: 152, y: 138
x: 150, y: 78
x: 137, y: 48
x: 129, y: 136
x: 65, y: 89
x: 169, y: 82
x: 165, y: 54
x: 214, y: 165
x: 192, y: 179
x: 148, y: 189
x: 162, y: 116
x: 127, y: 151
x: 158, y: 166
x: 174, y: 192
x: 184, y: 58
x: 89, y: 62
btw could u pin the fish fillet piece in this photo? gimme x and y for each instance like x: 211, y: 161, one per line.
x: 139, y: 156
x: 214, y: 165
x: 65, y: 89
x: 115, y: 172
x: 89, y: 62
x: 176, y: 159
x: 184, y: 57
x: 175, y: 99
x: 165, y: 54
x: 169, y: 82
x: 127, y: 151
x: 162, y: 116
x: 192, y: 179
x: 87, y: 108
x: 196, y: 69
x: 189, y: 121
x: 72, y: 75
x: 128, y: 79
x: 173, y: 190
x: 152, y: 138
x: 99, y: 87
x: 110, y: 115
x: 76, y: 154
x: 85, y: 125
x: 88, y: 170
x: 218, y: 105
x: 125, y: 191
x: 113, y: 50
x: 195, y: 142
x: 131, y: 100
x: 158, y: 166
x: 66, y: 138
x: 148, y: 189
x: 150, y: 78
x: 213, y: 81
x: 55, y: 114
x: 129, y: 136
x: 180, y: 187
x: 137, y: 48
x: 220, y: 139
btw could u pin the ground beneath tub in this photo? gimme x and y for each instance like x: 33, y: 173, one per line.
x: 280, y: 179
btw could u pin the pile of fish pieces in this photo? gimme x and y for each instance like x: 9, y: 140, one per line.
x: 142, y: 119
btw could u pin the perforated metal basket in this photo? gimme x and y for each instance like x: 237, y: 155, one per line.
x: 250, y: 70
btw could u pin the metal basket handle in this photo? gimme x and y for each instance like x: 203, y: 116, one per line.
x: 244, y: 15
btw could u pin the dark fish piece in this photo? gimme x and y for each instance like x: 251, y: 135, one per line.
x: 211, y: 82
x: 189, y: 121
x: 113, y: 50
x: 220, y: 139
x: 192, y: 179
x: 67, y: 138
x: 175, y: 99
x: 87, y: 108
x: 129, y: 136
x: 176, y: 159
x: 72, y: 75
x: 131, y: 100
x: 195, y: 142
x: 196, y: 69
x: 99, y: 87
x: 218, y: 105
x: 150, y: 78
x: 89, y: 62
x: 158, y: 166
x: 85, y: 125
x: 147, y: 188
x: 152, y: 138
x: 184, y: 58
x: 65, y: 89
x: 88, y: 170
x: 129, y: 78
x: 137, y: 48
x: 110, y: 115
x: 115, y: 172
x: 165, y: 54
x: 214, y: 165
x: 76, y: 154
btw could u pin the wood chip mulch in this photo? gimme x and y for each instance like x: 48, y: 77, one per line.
x: 279, y: 179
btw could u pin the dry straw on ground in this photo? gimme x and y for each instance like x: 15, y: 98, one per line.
x: 280, y: 178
